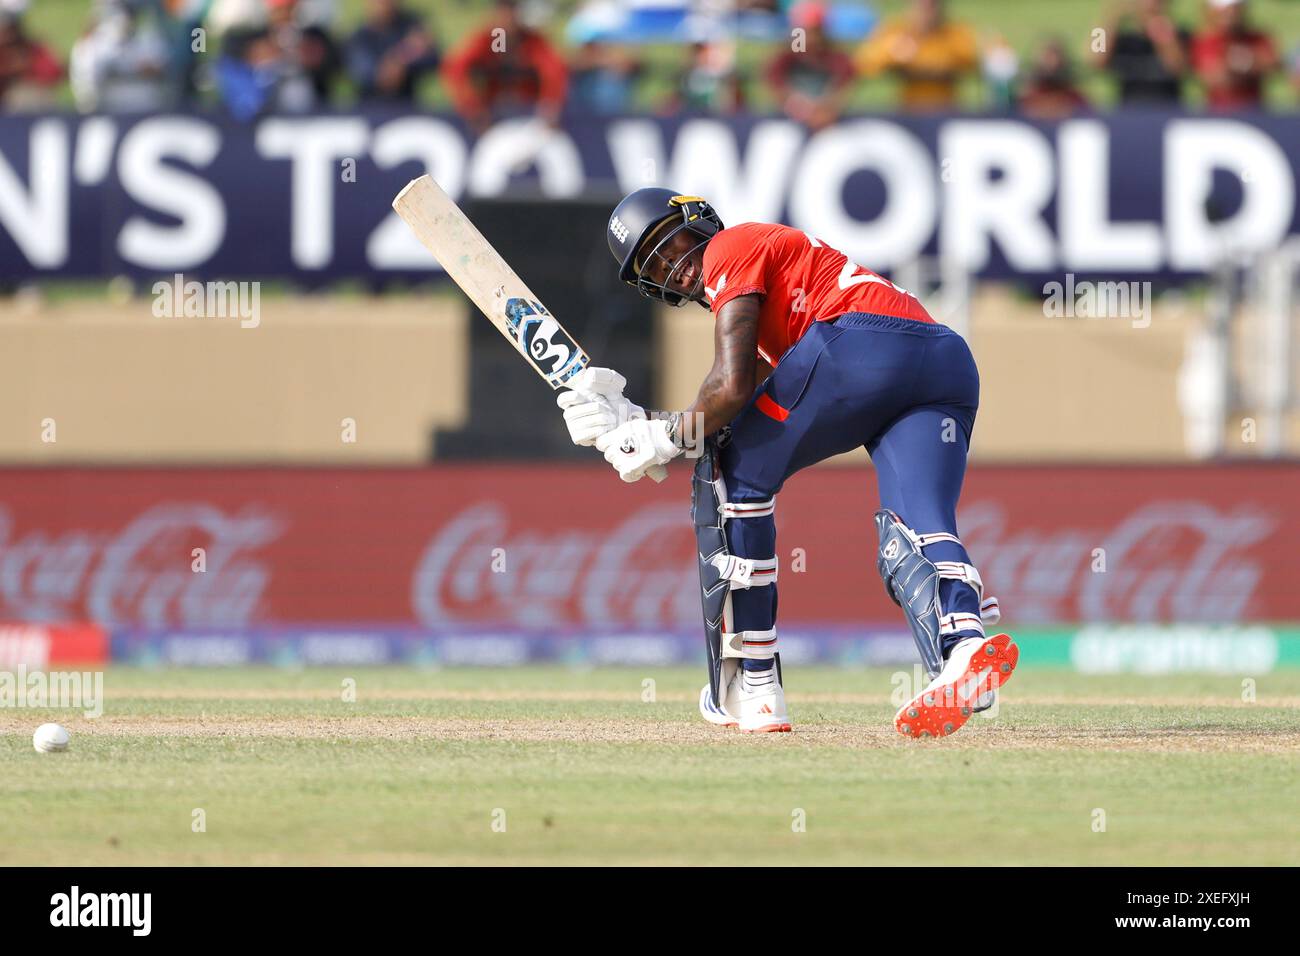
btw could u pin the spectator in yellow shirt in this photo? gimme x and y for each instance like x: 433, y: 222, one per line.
x: 927, y: 52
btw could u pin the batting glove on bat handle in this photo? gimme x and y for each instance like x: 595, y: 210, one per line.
x: 599, y: 381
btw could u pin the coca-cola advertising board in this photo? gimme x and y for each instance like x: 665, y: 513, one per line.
x: 40, y: 646
x: 570, y: 548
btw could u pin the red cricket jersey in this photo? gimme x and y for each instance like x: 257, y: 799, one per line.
x: 802, y: 281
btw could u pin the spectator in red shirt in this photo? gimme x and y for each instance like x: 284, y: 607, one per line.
x: 1049, y: 92
x: 28, y: 70
x: 1231, y: 58
x: 505, y: 67
x: 811, y: 78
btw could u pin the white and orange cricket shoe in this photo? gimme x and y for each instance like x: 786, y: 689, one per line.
x: 753, y: 703
x: 976, y: 667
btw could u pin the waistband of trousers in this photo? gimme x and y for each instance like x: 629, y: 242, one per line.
x: 887, y: 323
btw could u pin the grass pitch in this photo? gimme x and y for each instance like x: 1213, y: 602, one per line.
x: 556, y: 766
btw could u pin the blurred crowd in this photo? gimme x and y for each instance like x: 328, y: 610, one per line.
x: 254, y: 57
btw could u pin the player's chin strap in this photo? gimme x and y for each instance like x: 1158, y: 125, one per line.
x: 721, y: 572
x: 912, y: 582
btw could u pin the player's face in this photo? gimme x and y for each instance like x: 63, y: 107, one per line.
x: 678, y: 263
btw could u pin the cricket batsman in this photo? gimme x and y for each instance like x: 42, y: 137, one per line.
x: 854, y: 361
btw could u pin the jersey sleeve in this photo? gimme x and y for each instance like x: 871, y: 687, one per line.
x: 735, y: 264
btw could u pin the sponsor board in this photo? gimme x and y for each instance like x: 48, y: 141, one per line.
x: 516, y: 548
x: 1000, y: 196
x: 1147, y: 649
x: 37, y: 646
x: 1252, y: 650
x: 482, y: 647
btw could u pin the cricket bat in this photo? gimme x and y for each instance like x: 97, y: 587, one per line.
x: 492, y: 285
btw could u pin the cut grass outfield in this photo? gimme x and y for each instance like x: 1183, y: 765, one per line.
x: 583, y: 770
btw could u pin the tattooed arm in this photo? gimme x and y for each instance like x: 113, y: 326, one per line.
x: 731, y: 381
x: 737, y: 371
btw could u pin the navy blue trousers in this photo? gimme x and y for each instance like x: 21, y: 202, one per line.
x: 906, y: 391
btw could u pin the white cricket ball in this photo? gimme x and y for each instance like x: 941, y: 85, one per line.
x: 50, y: 739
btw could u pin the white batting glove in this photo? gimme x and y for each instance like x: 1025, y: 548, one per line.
x: 637, y: 446
x: 595, y: 404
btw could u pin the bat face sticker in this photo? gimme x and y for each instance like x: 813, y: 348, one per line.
x: 540, y: 337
